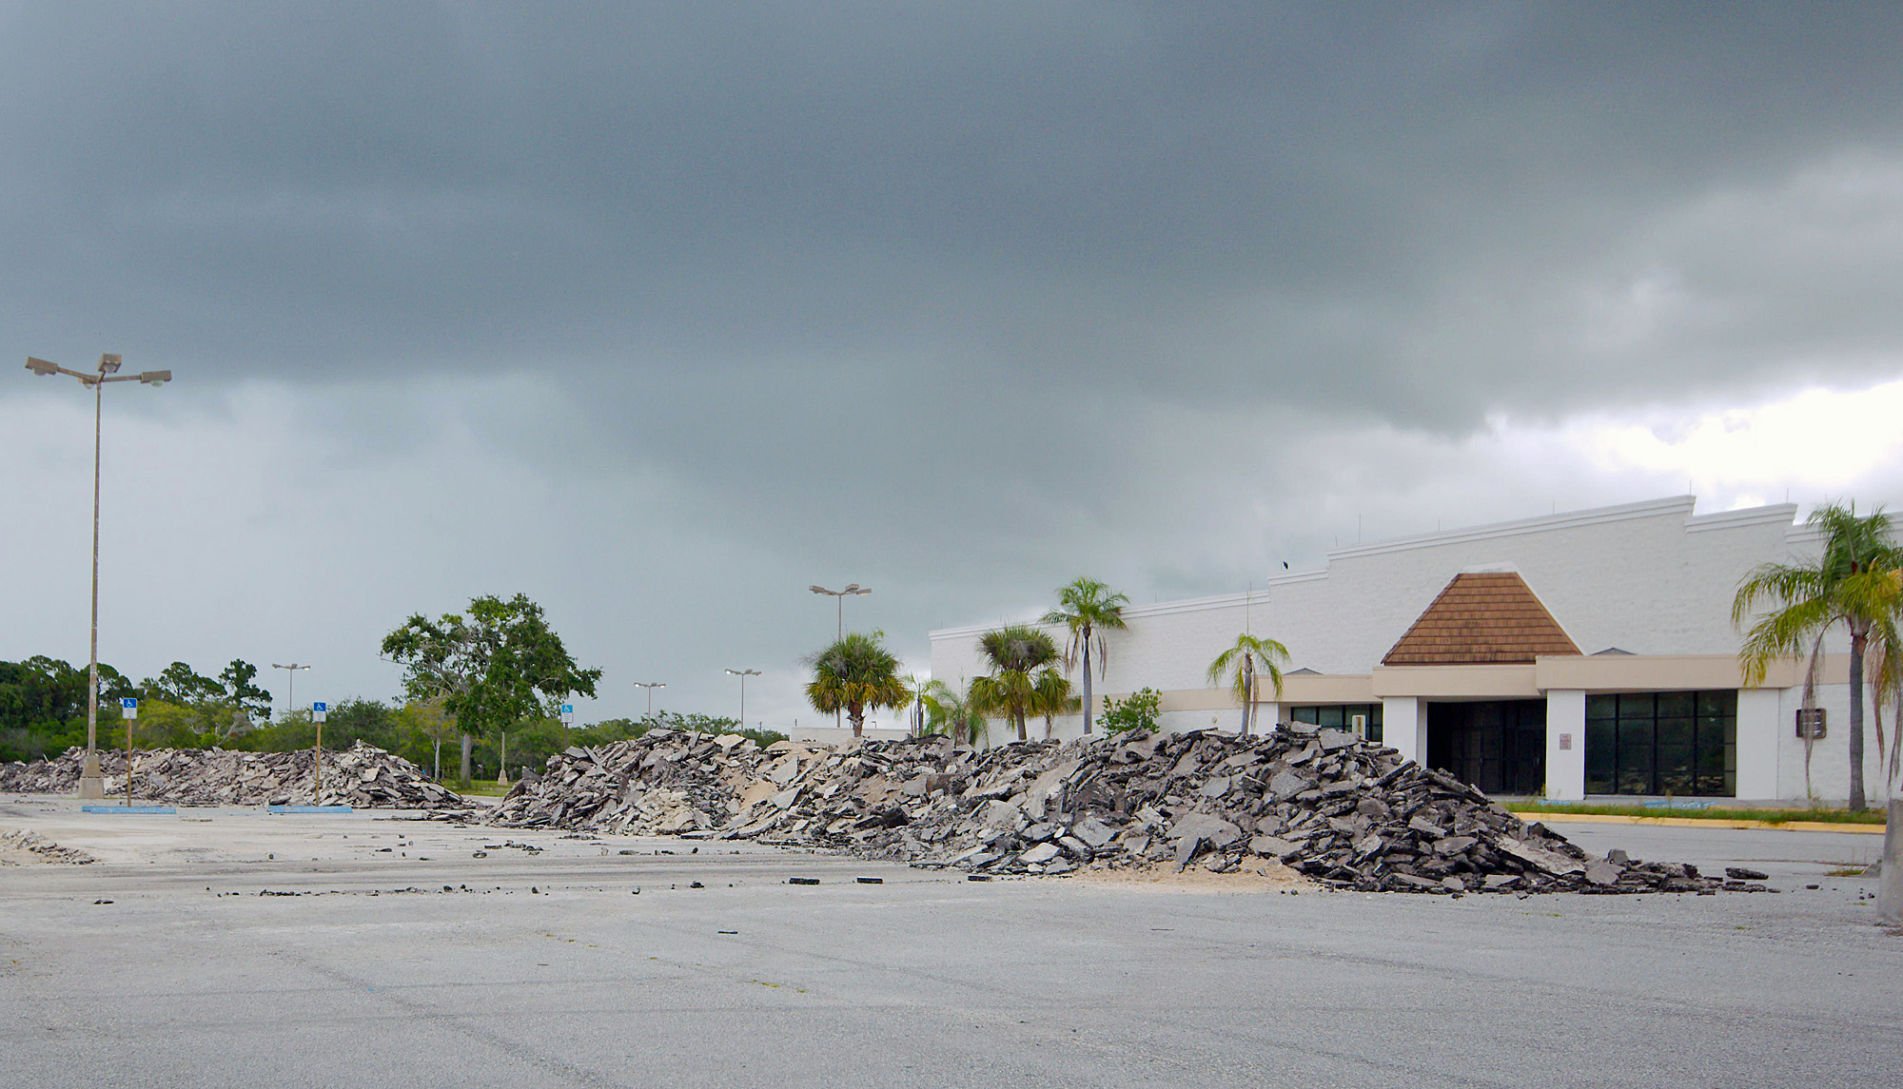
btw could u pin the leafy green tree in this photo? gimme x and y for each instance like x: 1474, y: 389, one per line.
x: 1015, y: 653
x: 1854, y: 584
x: 1240, y: 667
x: 527, y: 745
x: 1051, y: 696
x: 39, y: 698
x: 424, y: 725
x: 1140, y: 710
x: 854, y: 674
x: 1087, y: 609
x: 495, y: 666
x: 163, y: 724
x: 180, y: 684
x: 239, y: 691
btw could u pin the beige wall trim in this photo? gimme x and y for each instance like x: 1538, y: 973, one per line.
x: 1458, y: 682
x: 1668, y: 672
x: 1328, y: 688
x: 1608, y: 673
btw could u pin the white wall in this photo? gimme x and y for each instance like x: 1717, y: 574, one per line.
x: 1651, y: 578
x: 1830, y: 756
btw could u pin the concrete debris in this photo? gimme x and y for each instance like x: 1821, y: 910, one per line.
x: 362, y: 776
x: 1347, y: 813
x: 35, y: 847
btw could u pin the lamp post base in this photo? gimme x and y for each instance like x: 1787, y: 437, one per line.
x: 1890, y: 884
x: 92, y: 784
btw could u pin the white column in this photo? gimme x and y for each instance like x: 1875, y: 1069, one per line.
x: 1759, y: 738
x: 1267, y: 715
x: 1566, y: 744
x: 1404, y: 727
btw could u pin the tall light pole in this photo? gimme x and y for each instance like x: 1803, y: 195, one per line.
x: 839, y: 597
x: 651, y: 686
x: 290, y: 673
x: 91, y: 783
x: 743, y: 674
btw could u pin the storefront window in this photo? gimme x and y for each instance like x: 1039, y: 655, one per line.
x: 1676, y: 743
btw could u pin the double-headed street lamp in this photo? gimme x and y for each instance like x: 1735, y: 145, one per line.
x: 290, y: 673
x: 839, y: 597
x: 91, y: 783
x: 852, y: 589
x: 651, y: 686
x: 743, y: 674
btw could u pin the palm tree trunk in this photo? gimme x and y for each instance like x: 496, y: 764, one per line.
x: 1248, y: 697
x: 857, y: 716
x: 1858, y: 639
x: 1086, y: 682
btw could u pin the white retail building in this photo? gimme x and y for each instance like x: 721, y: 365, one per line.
x: 1586, y: 654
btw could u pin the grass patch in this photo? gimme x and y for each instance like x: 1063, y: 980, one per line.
x: 1848, y: 871
x: 1712, y: 813
x: 479, y: 788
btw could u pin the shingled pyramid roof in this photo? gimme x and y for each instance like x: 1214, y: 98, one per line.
x: 1482, y: 618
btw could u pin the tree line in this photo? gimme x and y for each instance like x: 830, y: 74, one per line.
x: 1027, y: 675
x: 487, y: 681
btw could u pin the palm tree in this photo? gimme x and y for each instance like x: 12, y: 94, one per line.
x: 916, y: 687
x: 1240, y: 665
x: 1015, y: 652
x: 853, y: 674
x: 1854, y: 583
x: 1051, y: 696
x: 948, y: 713
x: 1088, y: 609
x: 1883, y: 669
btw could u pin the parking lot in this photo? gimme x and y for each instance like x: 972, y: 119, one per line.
x: 230, y: 947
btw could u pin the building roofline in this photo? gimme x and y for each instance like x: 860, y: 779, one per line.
x: 1682, y: 505
x: 1624, y: 512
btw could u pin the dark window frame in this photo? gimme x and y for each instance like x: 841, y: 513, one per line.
x: 1677, y: 742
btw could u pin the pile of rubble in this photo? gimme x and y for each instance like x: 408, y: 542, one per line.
x: 1346, y: 813
x: 27, y: 844
x: 363, y: 776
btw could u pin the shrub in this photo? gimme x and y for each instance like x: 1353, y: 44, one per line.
x: 1137, y: 711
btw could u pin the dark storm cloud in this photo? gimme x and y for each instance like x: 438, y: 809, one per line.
x: 956, y: 300
x: 1136, y: 197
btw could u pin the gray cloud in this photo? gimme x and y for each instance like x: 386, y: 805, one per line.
x: 960, y: 299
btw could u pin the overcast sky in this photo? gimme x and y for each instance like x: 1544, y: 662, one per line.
x: 658, y: 314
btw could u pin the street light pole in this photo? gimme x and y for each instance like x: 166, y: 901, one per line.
x: 91, y: 783
x: 852, y: 589
x: 743, y: 674
x: 651, y: 686
x: 290, y: 673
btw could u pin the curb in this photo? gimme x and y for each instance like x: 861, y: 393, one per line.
x: 1695, y: 822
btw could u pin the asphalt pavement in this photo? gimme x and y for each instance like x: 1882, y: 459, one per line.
x: 239, y: 949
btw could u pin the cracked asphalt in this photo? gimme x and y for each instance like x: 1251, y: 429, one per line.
x: 546, y: 967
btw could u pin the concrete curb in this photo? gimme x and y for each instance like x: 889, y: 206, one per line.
x: 1695, y: 822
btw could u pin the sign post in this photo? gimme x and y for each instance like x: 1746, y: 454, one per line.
x: 318, y: 710
x: 128, y: 710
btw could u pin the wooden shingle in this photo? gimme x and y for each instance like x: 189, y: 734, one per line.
x: 1482, y: 618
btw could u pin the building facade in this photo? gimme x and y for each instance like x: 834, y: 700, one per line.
x: 1589, y: 653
